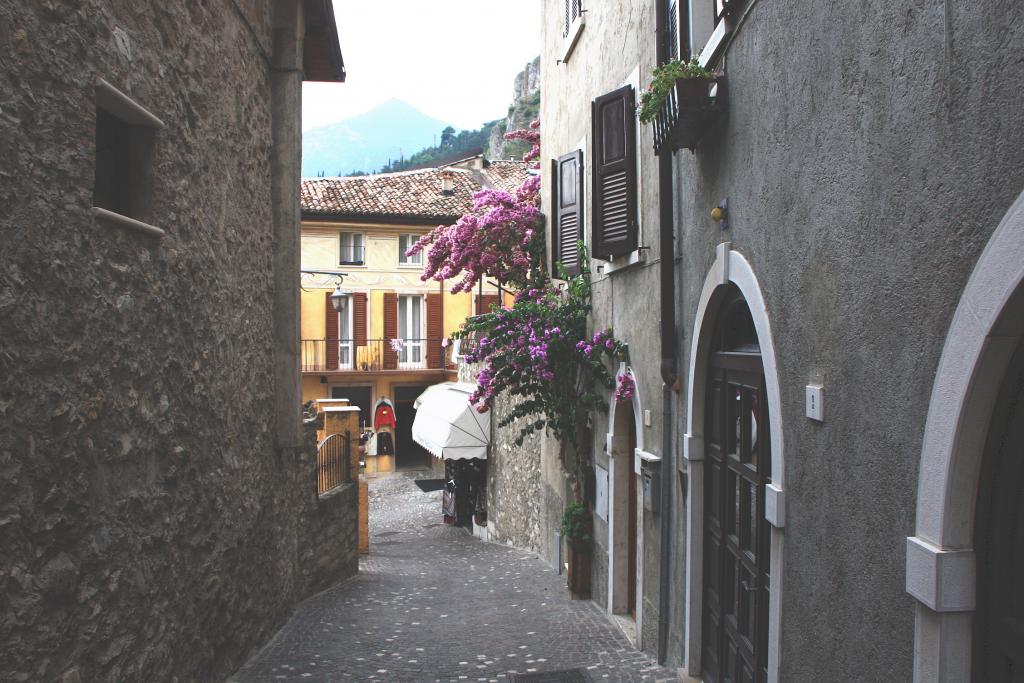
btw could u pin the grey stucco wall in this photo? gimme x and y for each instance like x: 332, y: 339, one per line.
x: 614, y: 48
x: 865, y: 167
x: 149, y: 526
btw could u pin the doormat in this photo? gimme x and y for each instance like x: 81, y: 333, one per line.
x: 563, y: 676
x: 428, y: 485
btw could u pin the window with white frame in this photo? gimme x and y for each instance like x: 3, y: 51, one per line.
x: 345, y: 342
x: 405, y: 242
x: 350, y: 251
x: 410, y: 330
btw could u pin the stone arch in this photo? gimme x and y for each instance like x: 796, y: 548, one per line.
x: 730, y: 267
x: 986, y: 329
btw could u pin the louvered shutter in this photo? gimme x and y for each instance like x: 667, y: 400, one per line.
x: 390, y: 330
x: 614, y: 232
x: 484, y: 302
x: 567, y: 195
x: 331, y: 332
x: 359, y: 318
x: 435, y: 330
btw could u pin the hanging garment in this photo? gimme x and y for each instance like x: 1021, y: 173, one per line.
x: 384, y: 416
x: 448, y: 504
x: 385, y: 443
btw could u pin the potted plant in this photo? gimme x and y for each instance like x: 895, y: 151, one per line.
x: 689, y: 78
x: 577, y: 526
x: 679, y: 121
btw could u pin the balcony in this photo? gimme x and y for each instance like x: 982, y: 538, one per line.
x: 688, y: 113
x: 375, y: 355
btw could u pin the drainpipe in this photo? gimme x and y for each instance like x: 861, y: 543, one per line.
x: 669, y: 370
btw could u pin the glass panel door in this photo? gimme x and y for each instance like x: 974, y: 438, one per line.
x: 345, y: 343
x: 410, y: 331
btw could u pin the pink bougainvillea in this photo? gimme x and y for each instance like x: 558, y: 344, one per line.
x: 502, y: 238
x: 625, y: 388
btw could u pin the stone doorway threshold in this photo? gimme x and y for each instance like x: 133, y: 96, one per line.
x: 627, y: 625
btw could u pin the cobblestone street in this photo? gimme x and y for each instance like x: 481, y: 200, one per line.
x: 432, y: 603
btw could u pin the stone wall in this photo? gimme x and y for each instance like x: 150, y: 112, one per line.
x: 151, y: 528
x: 514, y: 496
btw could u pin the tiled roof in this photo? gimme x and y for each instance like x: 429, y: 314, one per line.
x: 506, y: 175
x: 409, y: 194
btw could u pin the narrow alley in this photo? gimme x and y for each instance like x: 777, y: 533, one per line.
x: 433, y: 603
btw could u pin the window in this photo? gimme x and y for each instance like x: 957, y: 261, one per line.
x: 405, y: 242
x: 566, y: 212
x: 351, y: 249
x: 614, y: 231
x: 572, y: 27
x: 410, y: 330
x: 573, y: 11
x: 123, y: 171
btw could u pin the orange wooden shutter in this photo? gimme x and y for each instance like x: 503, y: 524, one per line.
x: 390, y: 329
x: 331, y: 332
x: 483, y: 303
x: 359, y: 318
x: 435, y: 330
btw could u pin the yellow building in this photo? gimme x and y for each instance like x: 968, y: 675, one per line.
x: 387, y: 336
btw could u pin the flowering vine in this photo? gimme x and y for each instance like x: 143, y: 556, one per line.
x: 539, y: 350
x: 502, y: 238
x: 626, y: 387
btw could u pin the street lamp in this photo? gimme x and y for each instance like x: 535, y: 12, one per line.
x: 338, y: 298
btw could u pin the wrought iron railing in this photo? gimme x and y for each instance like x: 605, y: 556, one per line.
x: 333, y: 462
x: 374, y: 355
x: 684, y: 119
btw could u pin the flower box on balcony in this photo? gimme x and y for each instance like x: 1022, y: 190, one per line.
x: 689, y: 110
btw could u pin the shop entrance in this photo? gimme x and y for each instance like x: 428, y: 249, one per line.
x: 361, y: 397
x: 408, y: 454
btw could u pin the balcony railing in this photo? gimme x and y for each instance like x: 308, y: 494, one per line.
x: 374, y: 355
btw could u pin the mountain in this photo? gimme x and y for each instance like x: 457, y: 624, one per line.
x: 369, y: 141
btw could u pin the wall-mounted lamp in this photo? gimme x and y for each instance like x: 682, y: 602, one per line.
x: 338, y: 297
x: 721, y: 214
x: 339, y: 293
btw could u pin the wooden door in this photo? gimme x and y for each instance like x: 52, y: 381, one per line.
x: 999, y: 627
x: 633, y: 519
x: 736, y: 534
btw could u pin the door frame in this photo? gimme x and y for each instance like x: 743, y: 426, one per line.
x: 730, y: 267
x: 619, y: 457
x: 941, y: 571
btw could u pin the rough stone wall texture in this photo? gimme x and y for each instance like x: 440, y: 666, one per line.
x: 867, y: 155
x: 149, y: 528
x: 614, y: 49
x: 513, y: 480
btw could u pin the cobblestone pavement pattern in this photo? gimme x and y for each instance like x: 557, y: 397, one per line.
x: 432, y: 603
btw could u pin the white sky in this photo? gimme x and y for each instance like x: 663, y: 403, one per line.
x: 452, y: 59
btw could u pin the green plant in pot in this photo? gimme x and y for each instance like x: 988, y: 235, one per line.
x: 576, y: 525
x: 693, y: 84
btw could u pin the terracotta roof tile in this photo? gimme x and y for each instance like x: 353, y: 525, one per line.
x: 409, y: 194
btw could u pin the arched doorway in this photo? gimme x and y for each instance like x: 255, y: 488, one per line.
x: 733, y: 355
x: 737, y: 466
x: 968, y: 529
x: 998, y: 652
x: 625, y: 518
